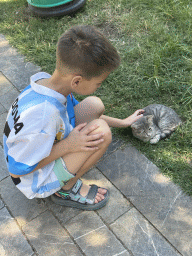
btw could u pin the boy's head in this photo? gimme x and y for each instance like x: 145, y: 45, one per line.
x: 86, y: 52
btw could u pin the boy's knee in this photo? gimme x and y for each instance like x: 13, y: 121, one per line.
x: 103, y: 127
x: 96, y: 103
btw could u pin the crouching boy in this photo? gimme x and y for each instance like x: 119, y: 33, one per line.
x: 50, y: 139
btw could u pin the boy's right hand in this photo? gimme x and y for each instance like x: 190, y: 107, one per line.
x: 81, y: 138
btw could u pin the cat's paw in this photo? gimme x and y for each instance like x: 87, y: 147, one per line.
x: 163, y: 135
x: 155, y: 139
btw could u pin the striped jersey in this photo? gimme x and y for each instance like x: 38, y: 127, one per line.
x: 37, y: 119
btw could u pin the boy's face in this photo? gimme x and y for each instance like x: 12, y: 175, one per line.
x: 87, y: 87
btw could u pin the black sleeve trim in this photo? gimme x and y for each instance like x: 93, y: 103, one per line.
x: 7, y: 129
x: 16, y: 181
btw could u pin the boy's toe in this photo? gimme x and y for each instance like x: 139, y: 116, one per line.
x: 102, y: 191
x: 100, y: 195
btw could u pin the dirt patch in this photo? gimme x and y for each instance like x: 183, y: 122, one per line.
x: 108, y: 29
x: 22, y: 14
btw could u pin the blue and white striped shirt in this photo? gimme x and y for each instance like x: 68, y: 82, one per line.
x: 37, y: 119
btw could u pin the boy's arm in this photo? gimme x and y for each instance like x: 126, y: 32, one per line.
x: 78, y: 140
x: 123, y: 123
x: 59, y: 149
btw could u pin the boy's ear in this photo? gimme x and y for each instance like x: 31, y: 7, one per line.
x: 76, y: 80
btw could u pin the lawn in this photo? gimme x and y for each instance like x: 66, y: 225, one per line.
x: 155, y: 44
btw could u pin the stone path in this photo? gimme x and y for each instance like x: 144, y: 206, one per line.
x: 146, y: 215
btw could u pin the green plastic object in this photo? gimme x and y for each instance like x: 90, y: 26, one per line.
x: 47, y: 3
x: 51, y: 8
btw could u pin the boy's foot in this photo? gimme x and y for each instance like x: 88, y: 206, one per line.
x: 85, y: 189
x: 82, y: 196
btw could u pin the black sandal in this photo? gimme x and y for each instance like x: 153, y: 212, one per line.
x: 73, y: 198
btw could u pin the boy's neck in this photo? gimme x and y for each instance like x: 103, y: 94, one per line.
x: 57, y: 83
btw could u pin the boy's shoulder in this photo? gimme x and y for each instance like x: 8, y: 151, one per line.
x: 37, y: 96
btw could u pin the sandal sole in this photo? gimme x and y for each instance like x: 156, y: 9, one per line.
x: 74, y: 204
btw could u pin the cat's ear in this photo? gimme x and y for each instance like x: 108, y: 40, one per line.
x: 134, y: 125
x: 138, y: 123
x: 150, y: 119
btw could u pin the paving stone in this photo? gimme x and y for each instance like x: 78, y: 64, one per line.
x: 3, y: 169
x: 117, y: 204
x: 14, y: 66
x: 115, y: 144
x: 176, y: 223
x: 5, y: 85
x: 1, y: 204
x: 123, y: 253
x: 3, y: 118
x: 2, y: 109
x: 153, y: 194
x: 93, y: 236
x: 83, y: 224
x: 64, y: 214
x: 126, y: 169
x: 3, y: 43
x: 8, y: 98
x: 23, y: 209
x: 49, y: 238
x: 140, y: 237
x: 101, y: 242
x: 12, y: 241
x: 171, y: 212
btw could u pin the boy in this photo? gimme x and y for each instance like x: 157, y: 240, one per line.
x: 51, y: 140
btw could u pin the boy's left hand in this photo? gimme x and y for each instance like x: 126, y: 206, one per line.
x: 133, y: 118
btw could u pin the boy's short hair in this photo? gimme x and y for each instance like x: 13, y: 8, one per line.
x: 85, y: 50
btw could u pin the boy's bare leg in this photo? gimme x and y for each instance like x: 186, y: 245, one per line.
x: 79, y: 163
x: 86, y: 111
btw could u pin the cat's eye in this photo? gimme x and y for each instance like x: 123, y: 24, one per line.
x: 150, y: 129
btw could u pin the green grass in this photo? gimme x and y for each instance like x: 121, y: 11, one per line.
x: 154, y: 41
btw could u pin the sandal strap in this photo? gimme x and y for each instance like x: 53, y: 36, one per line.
x: 74, y: 193
x: 74, y: 190
x: 90, y: 198
x: 76, y: 187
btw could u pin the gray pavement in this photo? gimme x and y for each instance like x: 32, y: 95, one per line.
x: 146, y: 215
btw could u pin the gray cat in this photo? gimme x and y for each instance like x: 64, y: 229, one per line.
x: 158, y: 122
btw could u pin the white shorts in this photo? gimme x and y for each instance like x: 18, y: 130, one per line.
x: 46, y: 181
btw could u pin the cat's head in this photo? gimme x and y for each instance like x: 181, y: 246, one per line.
x: 144, y: 128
